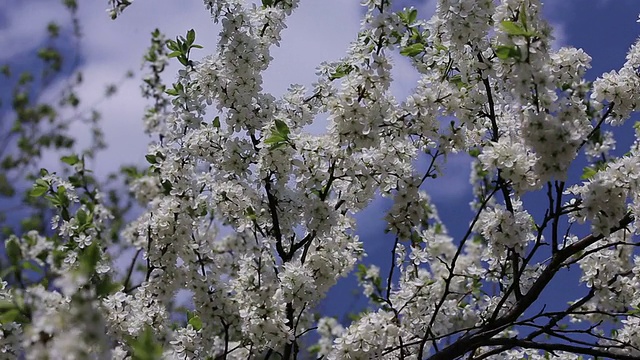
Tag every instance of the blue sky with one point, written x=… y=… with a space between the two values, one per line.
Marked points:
x=604 y=28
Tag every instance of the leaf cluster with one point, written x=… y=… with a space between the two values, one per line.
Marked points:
x=181 y=47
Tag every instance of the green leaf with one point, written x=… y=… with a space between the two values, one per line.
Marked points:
x=376 y=298
x=42 y=182
x=278 y=145
x=522 y=15
x=634 y=312
x=8 y=270
x=172 y=45
x=53 y=200
x=342 y=70
x=106 y=287
x=274 y=139
x=513 y=28
x=282 y=128
x=62 y=199
x=151 y=159
x=89 y=258
x=38 y=190
x=131 y=172
x=416 y=239
x=413 y=15
x=145 y=346
x=250 y=213
x=279 y=136
x=415 y=34
x=508 y=52
x=6 y=189
x=457 y=80
x=75 y=181
x=361 y=270
x=588 y=172
x=412 y=50
x=216 y=122
x=28 y=265
x=14 y=253
x=191 y=36
x=316 y=192
x=441 y=47
x=196 y=322
x=174 y=54
x=167 y=186
x=9 y=316
x=6 y=304
x=71 y=159
x=82 y=217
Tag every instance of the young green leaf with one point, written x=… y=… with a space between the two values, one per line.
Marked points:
x=588 y=172
x=342 y=70
x=196 y=322
x=38 y=190
x=166 y=186
x=513 y=28
x=413 y=15
x=282 y=128
x=151 y=159
x=191 y=36
x=275 y=139
x=412 y=50
x=28 y=265
x=145 y=346
x=71 y=159
x=82 y=217
x=9 y=316
x=12 y=248
x=172 y=45
x=508 y=52
x=89 y=258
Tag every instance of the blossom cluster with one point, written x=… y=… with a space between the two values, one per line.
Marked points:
x=253 y=217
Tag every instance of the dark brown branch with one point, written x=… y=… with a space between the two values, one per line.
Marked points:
x=550 y=347
x=473 y=341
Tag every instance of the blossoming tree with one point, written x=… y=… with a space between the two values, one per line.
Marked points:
x=230 y=156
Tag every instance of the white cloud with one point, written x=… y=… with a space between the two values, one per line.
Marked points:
x=553 y=13
x=559 y=35
x=111 y=48
x=311 y=37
